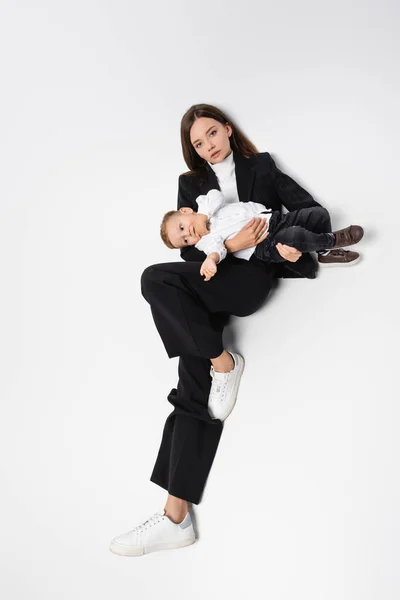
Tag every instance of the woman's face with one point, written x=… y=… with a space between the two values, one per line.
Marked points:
x=210 y=139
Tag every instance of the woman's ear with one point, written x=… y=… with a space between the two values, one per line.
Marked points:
x=229 y=129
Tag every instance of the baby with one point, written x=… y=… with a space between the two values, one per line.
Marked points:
x=307 y=230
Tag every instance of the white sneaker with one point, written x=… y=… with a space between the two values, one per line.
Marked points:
x=157 y=533
x=224 y=389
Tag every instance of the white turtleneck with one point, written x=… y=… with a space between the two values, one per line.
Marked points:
x=225 y=172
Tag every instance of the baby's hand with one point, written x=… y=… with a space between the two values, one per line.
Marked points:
x=208 y=268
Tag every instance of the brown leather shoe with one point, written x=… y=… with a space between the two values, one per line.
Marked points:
x=338 y=258
x=348 y=236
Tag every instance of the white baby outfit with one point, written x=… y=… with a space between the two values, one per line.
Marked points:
x=226 y=220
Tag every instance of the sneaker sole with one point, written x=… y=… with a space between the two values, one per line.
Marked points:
x=235 y=389
x=127 y=551
x=339 y=264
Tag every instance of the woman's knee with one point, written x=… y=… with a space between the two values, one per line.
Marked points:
x=160 y=273
x=149 y=276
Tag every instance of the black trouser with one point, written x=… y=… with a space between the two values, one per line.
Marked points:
x=306 y=229
x=190 y=314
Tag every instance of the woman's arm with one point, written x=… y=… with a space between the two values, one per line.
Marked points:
x=255 y=232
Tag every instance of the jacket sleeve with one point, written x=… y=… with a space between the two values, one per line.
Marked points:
x=185 y=198
x=291 y=194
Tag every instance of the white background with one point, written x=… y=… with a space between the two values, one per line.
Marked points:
x=303 y=498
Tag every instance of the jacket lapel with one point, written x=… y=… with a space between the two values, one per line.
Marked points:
x=245 y=174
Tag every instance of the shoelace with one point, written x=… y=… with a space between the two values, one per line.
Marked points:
x=153 y=520
x=218 y=385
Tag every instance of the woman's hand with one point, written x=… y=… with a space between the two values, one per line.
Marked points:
x=254 y=232
x=288 y=253
x=208 y=268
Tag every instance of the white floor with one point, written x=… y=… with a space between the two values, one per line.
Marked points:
x=303 y=498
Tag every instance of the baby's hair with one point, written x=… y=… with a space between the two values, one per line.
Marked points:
x=163 y=228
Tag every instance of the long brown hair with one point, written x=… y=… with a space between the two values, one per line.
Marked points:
x=238 y=141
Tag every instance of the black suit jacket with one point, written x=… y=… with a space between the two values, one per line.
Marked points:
x=258 y=179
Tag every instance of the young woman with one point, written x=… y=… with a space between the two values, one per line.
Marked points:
x=190 y=313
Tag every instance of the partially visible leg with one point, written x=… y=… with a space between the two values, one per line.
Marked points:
x=315 y=219
x=223 y=363
x=183 y=322
x=176 y=509
x=304 y=240
x=310 y=230
x=185 y=309
x=307 y=230
x=190 y=437
x=328 y=256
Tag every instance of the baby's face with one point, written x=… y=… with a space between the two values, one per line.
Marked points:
x=186 y=228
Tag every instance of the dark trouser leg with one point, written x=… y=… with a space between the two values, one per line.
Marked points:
x=306 y=230
x=190 y=437
x=187 y=312
x=184 y=305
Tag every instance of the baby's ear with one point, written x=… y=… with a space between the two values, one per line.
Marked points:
x=186 y=209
